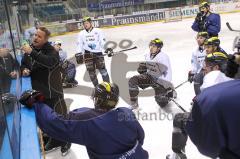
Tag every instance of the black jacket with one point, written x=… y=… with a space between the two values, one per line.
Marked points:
x=45 y=71
x=7 y=65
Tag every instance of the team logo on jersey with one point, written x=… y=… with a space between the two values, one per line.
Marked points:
x=92 y=46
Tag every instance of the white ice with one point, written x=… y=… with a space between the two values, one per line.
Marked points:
x=179 y=42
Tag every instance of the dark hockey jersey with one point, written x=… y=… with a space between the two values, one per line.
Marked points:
x=112 y=135
x=214 y=123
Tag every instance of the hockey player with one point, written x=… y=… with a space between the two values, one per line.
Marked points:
x=214 y=123
x=233 y=69
x=156 y=73
x=8 y=64
x=90 y=50
x=213 y=45
x=68 y=68
x=29 y=33
x=106 y=131
x=196 y=74
x=207 y=21
x=213 y=67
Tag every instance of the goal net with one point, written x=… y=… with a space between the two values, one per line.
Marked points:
x=173 y=15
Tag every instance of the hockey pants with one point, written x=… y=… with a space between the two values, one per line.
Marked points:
x=144 y=81
x=95 y=61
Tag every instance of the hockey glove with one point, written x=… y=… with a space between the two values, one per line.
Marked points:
x=232 y=67
x=65 y=64
x=190 y=76
x=199 y=17
x=79 y=58
x=29 y=97
x=109 y=52
x=142 y=68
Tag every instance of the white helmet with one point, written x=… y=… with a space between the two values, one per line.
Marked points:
x=58 y=42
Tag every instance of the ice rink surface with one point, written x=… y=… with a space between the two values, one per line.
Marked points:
x=179 y=42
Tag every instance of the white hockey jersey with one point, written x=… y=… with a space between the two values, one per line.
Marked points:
x=92 y=41
x=197 y=61
x=29 y=33
x=5 y=39
x=159 y=67
x=213 y=78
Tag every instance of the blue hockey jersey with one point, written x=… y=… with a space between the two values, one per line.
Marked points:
x=212 y=24
x=112 y=135
x=214 y=123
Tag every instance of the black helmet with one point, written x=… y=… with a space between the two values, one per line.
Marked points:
x=105 y=95
x=212 y=41
x=203 y=34
x=157 y=42
x=86 y=19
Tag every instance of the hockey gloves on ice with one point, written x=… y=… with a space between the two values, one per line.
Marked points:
x=109 y=52
x=79 y=58
x=190 y=76
x=29 y=97
x=142 y=68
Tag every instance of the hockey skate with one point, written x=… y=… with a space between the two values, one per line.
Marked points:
x=65 y=149
x=176 y=156
x=52 y=145
x=134 y=104
x=70 y=84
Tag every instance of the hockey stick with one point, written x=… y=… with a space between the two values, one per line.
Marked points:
x=230 y=28
x=42 y=143
x=132 y=48
x=179 y=106
x=81 y=55
x=181 y=84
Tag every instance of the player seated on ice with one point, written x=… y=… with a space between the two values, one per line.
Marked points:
x=213 y=69
x=106 y=131
x=68 y=68
x=196 y=74
x=207 y=21
x=156 y=73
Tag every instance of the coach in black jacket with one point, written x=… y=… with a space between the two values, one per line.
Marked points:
x=41 y=62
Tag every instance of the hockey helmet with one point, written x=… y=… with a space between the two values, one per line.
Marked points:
x=85 y=19
x=204 y=5
x=216 y=58
x=36 y=23
x=236 y=43
x=105 y=95
x=203 y=34
x=58 y=42
x=156 y=42
x=212 y=41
